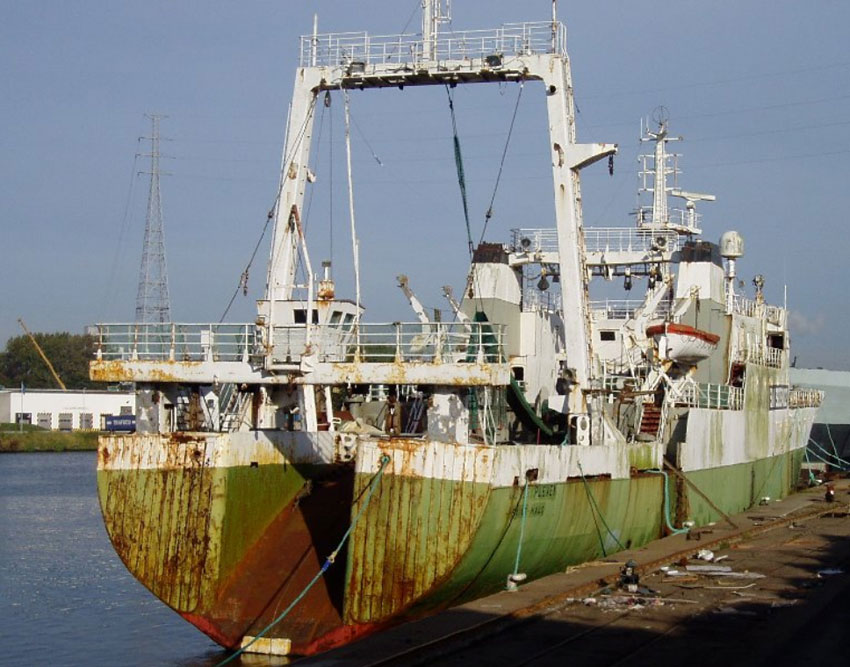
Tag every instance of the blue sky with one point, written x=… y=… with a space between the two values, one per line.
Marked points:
x=760 y=89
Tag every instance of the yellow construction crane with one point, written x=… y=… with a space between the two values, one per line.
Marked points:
x=43 y=355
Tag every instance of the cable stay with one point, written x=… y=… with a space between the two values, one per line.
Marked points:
x=243 y=277
x=366 y=141
x=461 y=179
x=489 y=213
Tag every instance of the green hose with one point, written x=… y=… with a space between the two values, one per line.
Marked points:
x=673 y=531
x=521 y=527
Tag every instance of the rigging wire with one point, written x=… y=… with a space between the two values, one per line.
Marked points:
x=243 y=278
x=315 y=168
x=489 y=213
x=110 y=285
x=366 y=141
x=416 y=5
x=330 y=178
x=461 y=180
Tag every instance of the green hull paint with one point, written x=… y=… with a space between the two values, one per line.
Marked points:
x=154 y=518
x=562 y=528
x=736 y=488
x=229 y=547
x=255 y=497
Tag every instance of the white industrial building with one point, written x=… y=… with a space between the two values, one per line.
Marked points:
x=64 y=410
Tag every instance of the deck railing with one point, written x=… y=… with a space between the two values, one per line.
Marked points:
x=629 y=239
x=534 y=300
x=534 y=240
x=624 y=309
x=805 y=398
x=714 y=396
x=675 y=216
x=511 y=39
x=437 y=342
x=449 y=342
x=772 y=357
x=598 y=239
x=170 y=341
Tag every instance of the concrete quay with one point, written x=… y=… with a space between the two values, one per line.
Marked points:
x=780 y=603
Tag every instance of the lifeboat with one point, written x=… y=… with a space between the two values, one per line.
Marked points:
x=681 y=343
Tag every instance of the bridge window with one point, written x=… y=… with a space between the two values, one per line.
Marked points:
x=776 y=341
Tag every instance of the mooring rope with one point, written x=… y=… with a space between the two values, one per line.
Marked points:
x=328 y=562
x=812 y=478
x=593 y=504
x=461 y=178
x=841 y=465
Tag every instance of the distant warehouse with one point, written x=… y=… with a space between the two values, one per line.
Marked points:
x=57 y=410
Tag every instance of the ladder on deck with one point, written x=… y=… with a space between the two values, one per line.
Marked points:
x=414 y=417
x=650 y=421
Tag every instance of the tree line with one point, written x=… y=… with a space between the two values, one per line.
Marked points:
x=20 y=362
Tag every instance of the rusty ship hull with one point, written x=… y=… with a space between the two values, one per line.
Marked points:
x=228 y=544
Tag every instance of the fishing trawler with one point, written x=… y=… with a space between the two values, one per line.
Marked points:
x=311 y=477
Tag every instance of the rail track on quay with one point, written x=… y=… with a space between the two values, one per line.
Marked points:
x=797 y=552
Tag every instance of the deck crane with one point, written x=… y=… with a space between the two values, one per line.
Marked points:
x=461 y=316
x=43 y=355
x=417 y=306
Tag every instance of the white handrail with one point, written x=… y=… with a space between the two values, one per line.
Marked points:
x=511 y=39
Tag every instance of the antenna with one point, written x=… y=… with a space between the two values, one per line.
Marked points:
x=152 y=300
x=691 y=199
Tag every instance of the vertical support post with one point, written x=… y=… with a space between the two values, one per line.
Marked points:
x=480 y=358
x=428 y=27
x=355 y=243
x=554 y=26
x=568 y=158
x=329 y=408
x=293 y=182
x=314 y=44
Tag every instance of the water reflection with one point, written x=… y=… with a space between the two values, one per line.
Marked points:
x=65 y=597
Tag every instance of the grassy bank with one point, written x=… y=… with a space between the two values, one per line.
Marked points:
x=34 y=439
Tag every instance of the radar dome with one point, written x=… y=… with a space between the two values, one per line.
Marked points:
x=731 y=245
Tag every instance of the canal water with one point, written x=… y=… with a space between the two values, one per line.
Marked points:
x=65 y=597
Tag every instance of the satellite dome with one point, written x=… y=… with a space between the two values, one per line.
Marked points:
x=731 y=245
